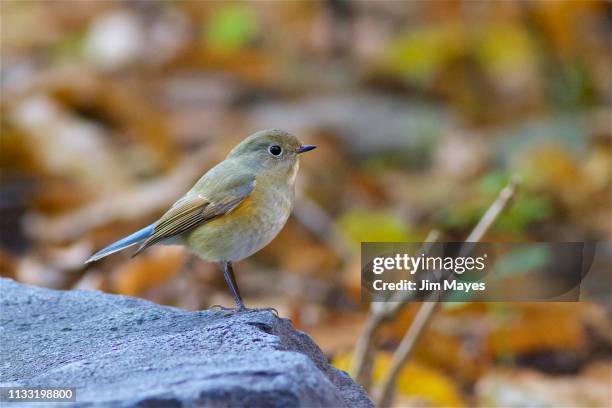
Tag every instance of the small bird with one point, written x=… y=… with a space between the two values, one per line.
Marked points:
x=233 y=210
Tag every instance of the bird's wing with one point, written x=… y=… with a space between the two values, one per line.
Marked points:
x=196 y=209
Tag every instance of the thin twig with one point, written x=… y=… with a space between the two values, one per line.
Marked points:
x=363 y=356
x=404 y=351
x=427 y=309
x=401 y=298
x=494 y=211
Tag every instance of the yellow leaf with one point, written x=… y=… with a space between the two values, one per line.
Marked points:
x=415 y=380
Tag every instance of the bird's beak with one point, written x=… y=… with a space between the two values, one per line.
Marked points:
x=305 y=148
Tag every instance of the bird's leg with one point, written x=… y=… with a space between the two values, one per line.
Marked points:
x=230 y=279
x=228 y=274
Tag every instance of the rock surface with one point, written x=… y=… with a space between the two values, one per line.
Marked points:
x=122 y=351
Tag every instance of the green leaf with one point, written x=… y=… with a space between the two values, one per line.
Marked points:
x=231 y=28
x=526 y=210
x=522 y=260
x=493 y=182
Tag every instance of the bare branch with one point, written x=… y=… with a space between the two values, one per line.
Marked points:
x=492 y=213
x=363 y=356
x=404 y=351
x=427 y=309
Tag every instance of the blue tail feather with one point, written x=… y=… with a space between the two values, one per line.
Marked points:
x=123 y=243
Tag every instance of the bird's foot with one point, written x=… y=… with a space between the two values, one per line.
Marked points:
x=242 y=308
x=228 y=311
x=264 y=309
x=222 y=308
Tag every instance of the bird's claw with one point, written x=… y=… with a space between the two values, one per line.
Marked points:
x=221 y=307
x=265 y=309
x=242 y=308
x=225 y=310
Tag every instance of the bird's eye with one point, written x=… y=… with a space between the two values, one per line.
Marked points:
x=275 y=150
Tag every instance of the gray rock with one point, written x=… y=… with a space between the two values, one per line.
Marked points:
x=127 y=352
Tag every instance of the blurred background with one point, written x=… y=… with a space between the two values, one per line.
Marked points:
x=110 y=110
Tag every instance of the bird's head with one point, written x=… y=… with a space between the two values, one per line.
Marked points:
x=273 y=151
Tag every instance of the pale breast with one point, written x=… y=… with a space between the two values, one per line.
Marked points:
x=247 y=229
